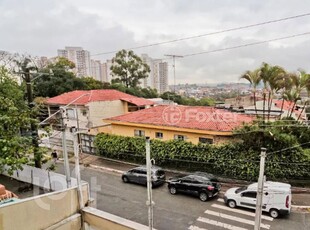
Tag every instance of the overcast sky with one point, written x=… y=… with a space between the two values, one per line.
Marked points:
x=40 y=27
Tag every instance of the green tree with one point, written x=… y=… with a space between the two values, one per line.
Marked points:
x=301 y=81
x=254 y=78
x=128 y=68
x=14 y=118
x=61 y=81
x=269 y=76
x=91 y=83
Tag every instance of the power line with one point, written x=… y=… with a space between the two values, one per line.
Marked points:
x=247 y=44
x=207 y=34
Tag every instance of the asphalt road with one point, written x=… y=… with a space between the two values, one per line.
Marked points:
x=176 y=211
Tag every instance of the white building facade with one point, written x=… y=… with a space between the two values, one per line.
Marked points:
x=80 y=57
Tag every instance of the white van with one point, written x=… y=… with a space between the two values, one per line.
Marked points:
x=276 y=197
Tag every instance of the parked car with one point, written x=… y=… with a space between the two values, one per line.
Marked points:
x=276 y=197
x=200 y=184
x=138 y=175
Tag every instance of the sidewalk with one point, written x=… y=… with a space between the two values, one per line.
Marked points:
x=300 y=196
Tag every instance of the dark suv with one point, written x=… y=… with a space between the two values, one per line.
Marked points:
x=201 y=184
x=138 y=175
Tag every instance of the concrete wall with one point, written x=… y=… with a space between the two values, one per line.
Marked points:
x=43 y=211
x=99 y=220
x=104 y=109
x=42 y=178
x=167 y=134
x=58 y=210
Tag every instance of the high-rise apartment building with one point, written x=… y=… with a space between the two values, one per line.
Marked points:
x=163 y=77
x=158 y=76
x=96 y=70
x=80 y=57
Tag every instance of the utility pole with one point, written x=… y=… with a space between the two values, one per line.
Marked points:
x=149 y=202
x=77 y=168
x=62 y=111
x=173 y=57
x=64 y=148
x=260 y=190
x=34 y=130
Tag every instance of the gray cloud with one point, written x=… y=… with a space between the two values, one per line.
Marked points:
x=42 y=27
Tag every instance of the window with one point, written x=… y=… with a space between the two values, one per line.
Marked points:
x=139 y=133
x=84 y=112
x=87 y=142
x=249 y=194
x=159 y=135
x=205 y=140
x=71 y=113
x=179 y=137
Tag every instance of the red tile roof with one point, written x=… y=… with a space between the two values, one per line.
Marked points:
x=192 y=117
x=287 y=106
x=86 y=96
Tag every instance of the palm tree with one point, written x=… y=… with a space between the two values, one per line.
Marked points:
x=270 y=76
x=301 y=82
x=254 y=78
x=284 y=84
x=292 y=96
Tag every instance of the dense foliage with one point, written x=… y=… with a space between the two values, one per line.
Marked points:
x=58 y=78
x=181 y=100
x=232 y=160
x=14 y=118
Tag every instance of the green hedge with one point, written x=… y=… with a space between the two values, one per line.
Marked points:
x=230 y=160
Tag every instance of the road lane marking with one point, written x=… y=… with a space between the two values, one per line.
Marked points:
x=193 y=227
x=220 y=200
x=240 y=211
x=219 y=224
x=234 y=218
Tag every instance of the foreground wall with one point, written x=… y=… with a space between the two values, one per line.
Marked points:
x=57 y=210
x=99 y=220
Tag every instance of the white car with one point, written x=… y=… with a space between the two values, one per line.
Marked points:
x=276 y=198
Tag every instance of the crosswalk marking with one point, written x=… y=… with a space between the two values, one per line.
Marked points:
x=193 y=227
x=240 y=211
x=234 y=218
x=220 y=200
x=219 y=224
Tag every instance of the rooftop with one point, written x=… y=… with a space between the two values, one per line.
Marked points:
x=191 y=117
x=96 y=95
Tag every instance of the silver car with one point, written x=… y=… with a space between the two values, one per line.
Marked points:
x=138 y=175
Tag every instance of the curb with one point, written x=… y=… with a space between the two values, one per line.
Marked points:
x=302 y=209
x=106 y=169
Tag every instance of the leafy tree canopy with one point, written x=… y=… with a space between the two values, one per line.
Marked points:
x=91 y=83
x=128 y=68
x=14 y=117
x=59 y=78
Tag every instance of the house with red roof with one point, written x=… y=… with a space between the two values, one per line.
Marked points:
x=86 y=109
x=197 y=124
x=278 y=109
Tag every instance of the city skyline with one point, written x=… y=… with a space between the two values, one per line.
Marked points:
x=85 y=66
x=95 y=27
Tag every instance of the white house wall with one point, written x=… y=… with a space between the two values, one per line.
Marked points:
x=104 y=109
